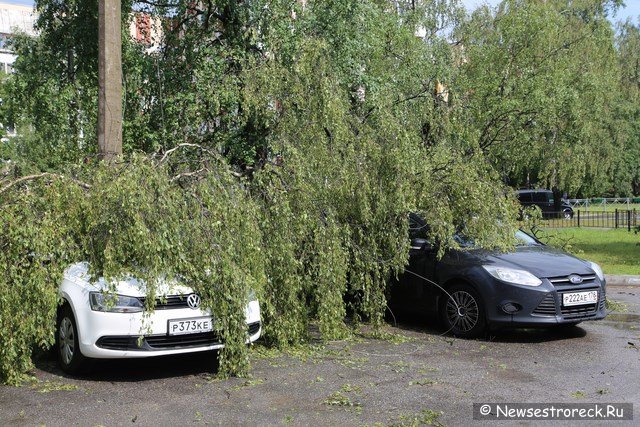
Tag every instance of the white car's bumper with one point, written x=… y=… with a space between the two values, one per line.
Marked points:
x=107 y=335
x=115 y=335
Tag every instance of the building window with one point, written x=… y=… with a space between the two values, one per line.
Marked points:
x=4 y=38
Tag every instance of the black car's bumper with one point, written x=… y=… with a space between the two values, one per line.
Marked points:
x=541 y=305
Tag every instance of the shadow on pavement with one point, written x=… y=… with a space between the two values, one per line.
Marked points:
x=131 y=370
x=430 y=326
x=537 y=335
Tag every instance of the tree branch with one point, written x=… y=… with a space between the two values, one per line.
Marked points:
x=189 y=174
x=190 y=145
x=212 y=153
x=421 y=94
x=42 y=175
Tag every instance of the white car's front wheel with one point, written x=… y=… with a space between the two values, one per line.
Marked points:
x=69 y=356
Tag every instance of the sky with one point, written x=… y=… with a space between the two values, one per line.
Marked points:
x=631 y=10
x=22 y=2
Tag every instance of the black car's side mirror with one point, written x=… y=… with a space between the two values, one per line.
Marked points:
x=420 y=244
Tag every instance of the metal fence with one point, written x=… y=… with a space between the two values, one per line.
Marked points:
x=602 y=202
x=619 y=218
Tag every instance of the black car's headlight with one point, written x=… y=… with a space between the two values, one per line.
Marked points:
x=596 y=269
x=114 y=303
x=512 y=275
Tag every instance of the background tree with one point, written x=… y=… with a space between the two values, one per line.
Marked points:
x=627 y=172
x=52 y=95
x=540 y=87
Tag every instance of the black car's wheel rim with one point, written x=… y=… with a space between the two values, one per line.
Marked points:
x=462 y=311
x=67 y=340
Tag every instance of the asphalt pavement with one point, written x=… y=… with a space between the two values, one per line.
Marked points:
x=412 y=376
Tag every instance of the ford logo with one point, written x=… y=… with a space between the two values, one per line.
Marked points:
x=575 y=279
x=193 y=301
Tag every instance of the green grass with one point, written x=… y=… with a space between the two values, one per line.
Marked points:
x=618 y=306
x=617 y=251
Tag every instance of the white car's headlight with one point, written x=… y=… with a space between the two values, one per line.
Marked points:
x=596 y=269
x=114 y=303
x=511 y=275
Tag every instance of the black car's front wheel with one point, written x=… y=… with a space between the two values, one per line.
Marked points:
x=462 y=312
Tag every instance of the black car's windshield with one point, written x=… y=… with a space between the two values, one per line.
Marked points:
x=522 y=239
x=525 y=240
x=464 y=241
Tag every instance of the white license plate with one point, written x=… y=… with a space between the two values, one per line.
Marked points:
x=193 y=325
x=579 y=298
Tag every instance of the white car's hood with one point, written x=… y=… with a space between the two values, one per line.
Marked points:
x=79 y=273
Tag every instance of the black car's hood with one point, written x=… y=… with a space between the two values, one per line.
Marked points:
x=542 y=261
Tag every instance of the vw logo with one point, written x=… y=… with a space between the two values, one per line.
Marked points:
x=193 y=301
x=575 y=279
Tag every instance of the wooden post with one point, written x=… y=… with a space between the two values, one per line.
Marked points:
x=109 y=80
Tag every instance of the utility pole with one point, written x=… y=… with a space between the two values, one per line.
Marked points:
x=109 y=79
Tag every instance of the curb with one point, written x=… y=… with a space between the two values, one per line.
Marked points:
x=622 y=280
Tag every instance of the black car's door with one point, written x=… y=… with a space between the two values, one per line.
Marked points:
x=414 y=292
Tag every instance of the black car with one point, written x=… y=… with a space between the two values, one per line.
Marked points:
x=545 y=201
x=473 y=290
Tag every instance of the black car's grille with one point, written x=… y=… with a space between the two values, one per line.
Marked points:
x=166 y=342
x=547 y=306
x=169 y=302
x=565 y=280
x=579 y=311
x=586 y=310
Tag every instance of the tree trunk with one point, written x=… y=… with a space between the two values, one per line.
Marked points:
x=109 y=80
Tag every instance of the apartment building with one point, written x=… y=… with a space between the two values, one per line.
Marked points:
x=13 y=19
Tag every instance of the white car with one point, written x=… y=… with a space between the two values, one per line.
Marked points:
x=92 y=324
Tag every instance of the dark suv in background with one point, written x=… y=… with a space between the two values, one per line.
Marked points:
x=545 y=201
